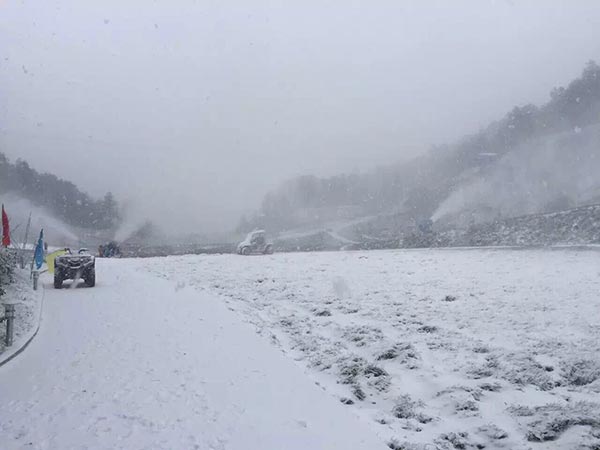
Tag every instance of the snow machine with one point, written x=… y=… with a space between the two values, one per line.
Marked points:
x=425 y=226
x=71 y=266
x=255 y=243
x=110 y=250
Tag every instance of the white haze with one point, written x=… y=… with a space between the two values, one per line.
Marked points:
x=189 y=111
x=531 y=176
x=56 y=233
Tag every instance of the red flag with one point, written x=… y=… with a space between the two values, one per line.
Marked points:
x=5 y=229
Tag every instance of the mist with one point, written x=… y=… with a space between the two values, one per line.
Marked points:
x=191 y=114
x=527 y=180
x=56 y=232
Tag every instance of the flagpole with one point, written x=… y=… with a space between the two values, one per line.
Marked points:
x=27 y=231
x=24 y=247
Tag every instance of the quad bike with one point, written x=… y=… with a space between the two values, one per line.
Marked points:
x=71 y=266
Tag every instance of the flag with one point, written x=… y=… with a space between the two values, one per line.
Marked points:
x=5 y=229
x=38 y=256
x=50 y=259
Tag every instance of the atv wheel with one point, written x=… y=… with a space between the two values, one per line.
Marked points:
x=269 y=250
x=245 y=251
x=58 y=281
x=90 y=279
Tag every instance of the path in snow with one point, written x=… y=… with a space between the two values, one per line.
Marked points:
x=138 y=362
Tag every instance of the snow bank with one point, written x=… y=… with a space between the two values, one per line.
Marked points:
x=28 y=308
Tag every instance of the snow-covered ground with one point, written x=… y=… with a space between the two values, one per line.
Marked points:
x=416 y=349
x=142 y=363
x=434 y=348
x=27 y=311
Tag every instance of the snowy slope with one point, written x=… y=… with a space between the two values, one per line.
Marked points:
x=573 y=226
x=143 y=363
x=434 y=348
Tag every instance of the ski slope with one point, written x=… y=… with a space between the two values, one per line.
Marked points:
x=143 y=363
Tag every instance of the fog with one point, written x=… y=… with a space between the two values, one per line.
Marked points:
x=189 y=113
x=525 y=182
x=54 y=230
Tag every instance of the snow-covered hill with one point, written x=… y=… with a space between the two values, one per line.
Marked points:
x=535 y=159
x=576 y=226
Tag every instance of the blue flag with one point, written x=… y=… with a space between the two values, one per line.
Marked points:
x=38 y=256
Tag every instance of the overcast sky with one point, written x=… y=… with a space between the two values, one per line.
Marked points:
x=190 y=110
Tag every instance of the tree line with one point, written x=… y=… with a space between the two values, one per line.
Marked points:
x=59 y=197
x=416 y=188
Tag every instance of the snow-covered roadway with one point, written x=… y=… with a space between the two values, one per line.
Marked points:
x=143 y=363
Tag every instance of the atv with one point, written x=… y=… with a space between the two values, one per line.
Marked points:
x=255 y=243
x=73 y=267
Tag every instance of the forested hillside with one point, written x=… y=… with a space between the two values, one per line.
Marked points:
x=502 y=152
x=59 y=197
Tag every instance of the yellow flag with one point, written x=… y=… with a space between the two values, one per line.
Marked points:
x=50 y=258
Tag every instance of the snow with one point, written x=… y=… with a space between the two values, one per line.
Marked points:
x=28 y=305
x=21 y=208
x=143 y=363
x=431 y=347
x=413 y=349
